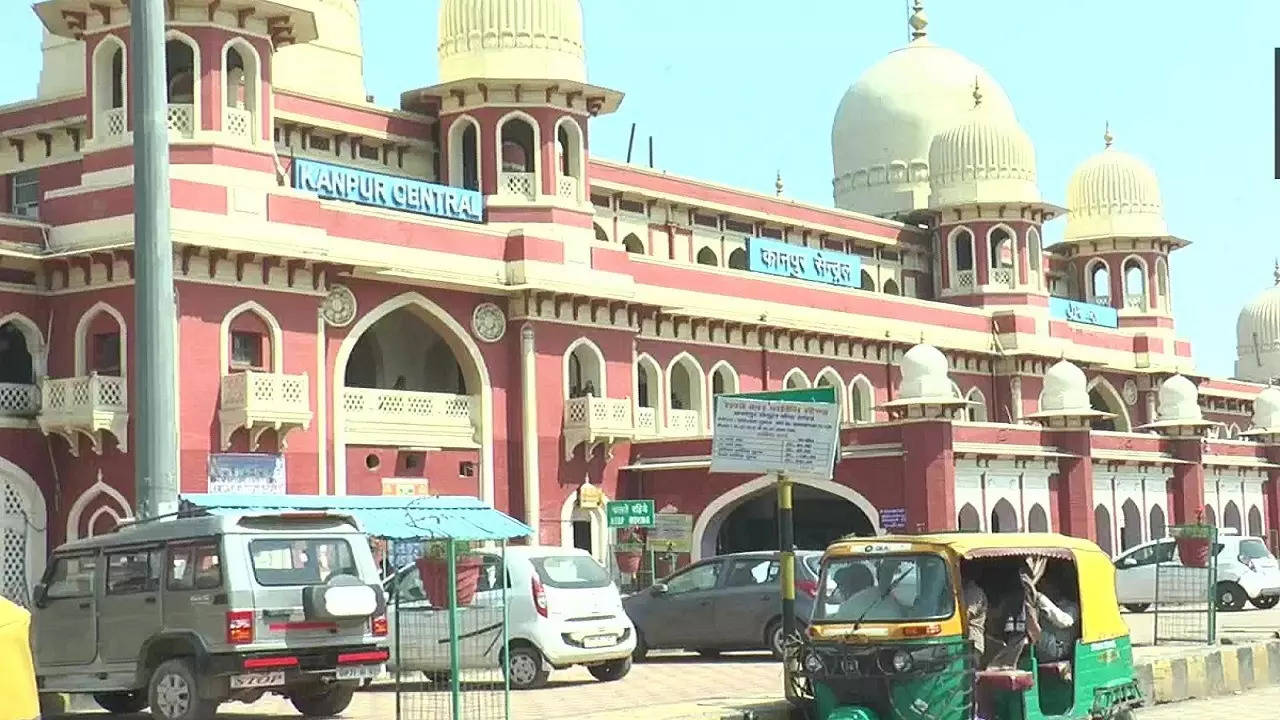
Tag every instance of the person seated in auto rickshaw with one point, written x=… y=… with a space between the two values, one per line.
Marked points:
x=1042 y=607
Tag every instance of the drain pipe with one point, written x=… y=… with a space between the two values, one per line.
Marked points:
x=529 y=432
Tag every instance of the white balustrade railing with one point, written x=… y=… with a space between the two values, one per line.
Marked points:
x=111 y=123
x=19 y=400
x=263 y=394
x=407 y=410
x=84 y=395
x=599 y=416
x=964 y=279
x=1103 y=300
x=182 y=120
x=1002 y=277
x=1135 y=301
x=683 y=423
x=237 y=122
x=521 y=185
x=647 y=421
x=567 y=187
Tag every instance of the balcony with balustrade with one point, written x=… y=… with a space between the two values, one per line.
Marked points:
x=647 y=422
x=683 y=423
x=594 y=420
x=181 y=120
x=518 y=185
x=238 y=123
x=19 y=400
x=112 y=123
x=378 y=417
x=90 y=406
x=261 y=401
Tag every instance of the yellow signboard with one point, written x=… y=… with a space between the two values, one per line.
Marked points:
x=590 y=496
x=405 y=487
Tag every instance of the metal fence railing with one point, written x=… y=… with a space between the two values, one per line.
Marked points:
x=1185 y=607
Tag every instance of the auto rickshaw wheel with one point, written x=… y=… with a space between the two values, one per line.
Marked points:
x=1230 y=596
x=1265 y=602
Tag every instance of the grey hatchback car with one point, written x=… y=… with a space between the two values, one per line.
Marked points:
x=184 y=613
x=729 y=602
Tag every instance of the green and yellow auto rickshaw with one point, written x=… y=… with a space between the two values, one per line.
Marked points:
x=964 y=626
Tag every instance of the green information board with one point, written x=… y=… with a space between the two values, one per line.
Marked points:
x=629 y=513
x=804 y=395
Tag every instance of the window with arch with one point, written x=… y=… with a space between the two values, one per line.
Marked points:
x=249 y=343
x=103 y=345
x=738 y=259
x=1037 y=519
x=1162 y=283
x=109 y=88
x=1035 y=256
x=1102 y=527
x=861 y=400
x=241 y=89
x=648 y=382
x=1135 y=284
x=685 y=395
x=464 y=154
x=707 y=256
x=1003 y=256
x=633 y=244
x=601 y=235
x=796 y=380
x=1255 y=521
x=1004 y=518
x=968 y=520
x=518 y=148
x=180 y=71
x=569 y=150
x=868 y=283
x=1131 y=525
x=977 y=411
x=1156 y=522
x=584 y=371
x=962 y=249
x=1098 y=280
x=1210 y=516
x=1103 y=396
x=18 y=348
x=891 y=287
x=1231 y=516
x=723 y=380
x=829 y=378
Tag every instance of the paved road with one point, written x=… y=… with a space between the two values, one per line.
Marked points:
x=1255 y=705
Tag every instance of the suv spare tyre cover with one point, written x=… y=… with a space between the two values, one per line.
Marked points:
x=343 y=597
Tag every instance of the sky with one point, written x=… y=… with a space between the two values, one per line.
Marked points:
x=733 y=91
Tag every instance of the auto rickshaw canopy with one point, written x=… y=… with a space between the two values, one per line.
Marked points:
x=1096 y=575
x=18 y=681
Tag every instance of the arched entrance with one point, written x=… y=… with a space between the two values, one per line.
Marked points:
x=585 y=528
x=23 y=521
x=745 y=518
x=968 y=519
x=408 y=374
x=1131 y=529
x=1255 y=521
x=1037 y=520
x=1157 y=522
x=1003 y=517
x=1102 y=526
x=1231 y=516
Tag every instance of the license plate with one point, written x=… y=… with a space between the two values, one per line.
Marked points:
x=257 y=680
x=595 y=641
x=359 y=672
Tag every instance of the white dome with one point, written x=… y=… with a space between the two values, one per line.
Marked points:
x=1179 y=402
x=331 y=66
x=1113 y=194
x=1266 y=410
x=1065 y=390
x=987 y=157
x=1258 y=336
x=511 y=39
x=924 y=374
x=887 y=120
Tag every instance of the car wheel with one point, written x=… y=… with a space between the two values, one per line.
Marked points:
x=121 y=703
x=642 y=648
x=323 y=700
x=1230 y=596
x=524 y=668
x=1137 y=607
x=173 y=693
x=775 y=639
x=1266 y=602
x=612 y=670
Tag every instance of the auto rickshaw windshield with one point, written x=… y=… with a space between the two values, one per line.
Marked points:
x=885 y=588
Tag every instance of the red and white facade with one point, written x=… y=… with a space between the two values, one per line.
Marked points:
x=576 y=336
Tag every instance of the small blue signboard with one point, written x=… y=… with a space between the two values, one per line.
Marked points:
x=893 y=518
x=773 y=257
x=335 y=182
x=1083 y=312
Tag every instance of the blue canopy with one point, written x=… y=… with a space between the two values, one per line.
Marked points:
x=390 y=517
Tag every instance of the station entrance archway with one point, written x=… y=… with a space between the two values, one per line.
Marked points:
x=745 y=518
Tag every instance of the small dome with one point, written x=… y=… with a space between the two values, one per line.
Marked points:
x=1266 y=410
x=1065 y=390
x=887 y=120
x=987 y=157
x=1179 y=402
x=511 y=39
x=924 y=374
x=1113 y=194
x=1258 y=327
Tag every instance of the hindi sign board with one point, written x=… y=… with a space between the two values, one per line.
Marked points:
x=629 y=513
x=246 y=474
x=774 y=257
x=893 y=518
x=671 y=532
x=761 y=434
x=1083 y=312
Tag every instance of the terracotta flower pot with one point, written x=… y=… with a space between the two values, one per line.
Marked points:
x=434 y=573
x=628 y=560
x=1193 y=551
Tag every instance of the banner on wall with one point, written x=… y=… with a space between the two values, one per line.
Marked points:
x=246 y=474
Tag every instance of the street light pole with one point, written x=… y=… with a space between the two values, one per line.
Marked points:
x=156 y=440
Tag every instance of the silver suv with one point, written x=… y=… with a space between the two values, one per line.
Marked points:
x=185 y=613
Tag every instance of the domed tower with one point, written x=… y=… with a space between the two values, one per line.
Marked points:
x=1116 y=239
x=514 y=105
x=331 y=66
x=1258 y=336
x=987 y=209
x=887 y=121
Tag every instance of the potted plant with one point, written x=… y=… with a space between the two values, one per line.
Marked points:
x=628 y=551
x=433 y=569
x=1193 y=543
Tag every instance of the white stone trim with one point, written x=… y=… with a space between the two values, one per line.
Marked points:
x=93 y=519
x=99 y=488
x=733 y=376
x=273 y=330
x=37 y=520
x=82 y=327
x=35 y=341
x=786 y=379
x=536 y=149
x=1104 y=386
x=601 y=386
x=696 y=375
x=600 y=535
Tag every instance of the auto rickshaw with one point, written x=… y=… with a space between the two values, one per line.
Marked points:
x=964 y=626
x=18 y=681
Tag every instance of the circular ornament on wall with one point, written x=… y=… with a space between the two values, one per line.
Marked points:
x=1130 y=392
x=488 y=322
x=339 y=306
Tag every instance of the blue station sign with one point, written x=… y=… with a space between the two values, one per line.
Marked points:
x=1083 y=312
x=773 y=257
x=335 y=182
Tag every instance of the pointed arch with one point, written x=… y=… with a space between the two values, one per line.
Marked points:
x=273 y=328
x=977 y=412
x=1037 y=519
x=1156 y=527
x=1035 y=258
x=1004 y=517
x=600 y=534
x=961 y=255
x=738 y=259
x=34 y=339
x=250 y=72
x=968 y=520
x=686 y=388
x=464 y=347
x=570 y=158
x=1255 y=521
x=724 y=377
x=828 y=377
x=529 y=154
x=1131 y=525
x=707 y=256
x=601 y=235
x=82 y=329
x=185 y=85
x=465 y=168
x=1231 y=516
x=648 y=382
x=36 y=521
x=862 y=396
x=795 y=379
x=1134 y=281
x=99 y=490
x=1101 y=389
x=1097 y=282
x=1102 y=526
x=955 y=391
x=583 y=363
x=110 y=63
x=1162 y=284
x=633 y=244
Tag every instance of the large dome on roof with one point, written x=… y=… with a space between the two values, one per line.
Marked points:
x=1113 y=194
x=1258 y=336
x=984 y=158
x=511 y=39
x=887 y=120
x=332 y=65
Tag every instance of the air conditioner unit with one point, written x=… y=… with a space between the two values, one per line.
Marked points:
x=29 y=210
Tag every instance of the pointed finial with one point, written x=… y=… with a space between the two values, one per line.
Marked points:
x=977 y=92
x=777 y=184
x=919 y=21
x=99 y=474
x=1107 y=137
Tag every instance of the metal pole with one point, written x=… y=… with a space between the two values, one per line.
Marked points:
x=506 y=636
x=156 y=444
x=455 y=659
x=786 y=544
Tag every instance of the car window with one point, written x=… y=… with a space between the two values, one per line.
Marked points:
x=698 y=577
x=570 y=571
x=133 y=571
x=194 y=567
x=751 y=573
x=408 y=585
x=1165 y=552
x=310 y=561
x=72 y=577
x=814 y=563
x=1252 y=549
x=1137 y=558
x=489 y=574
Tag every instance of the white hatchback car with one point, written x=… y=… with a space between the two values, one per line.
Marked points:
x=563 y=610
x=1246 y=571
